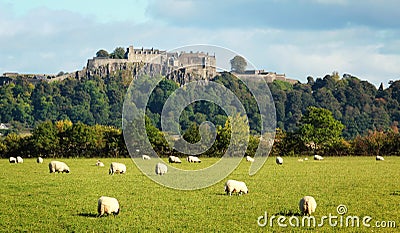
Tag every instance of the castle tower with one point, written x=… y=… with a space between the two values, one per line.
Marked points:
x=130 y=53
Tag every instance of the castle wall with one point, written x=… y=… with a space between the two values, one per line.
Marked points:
x=96 y=62
x=154 y=56
x=269 y=77
x=148 y=58
x=198 y=58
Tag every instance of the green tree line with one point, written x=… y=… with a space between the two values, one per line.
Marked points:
x=65 y=139
x=318 y=132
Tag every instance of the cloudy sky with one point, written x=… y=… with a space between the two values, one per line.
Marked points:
x=299 y=37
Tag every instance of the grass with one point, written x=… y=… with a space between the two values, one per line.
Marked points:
x=32 y=200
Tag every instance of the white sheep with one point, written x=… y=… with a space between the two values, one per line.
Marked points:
x=174 y=159
x=307 y=205
x=117 y=168
x=19 y=159
x=146 y=157
x=379 y=158
x=99 y=163
x=39 y=160
x=193 y=159
x=305 y=159
x=279 y=160
x=196 y=159
x=232 y=186
x=318 y=157
x=161 y=169
x=57 y=166
x=107 y=205
x=300 y=160
x=249 y=159
x=12 y=160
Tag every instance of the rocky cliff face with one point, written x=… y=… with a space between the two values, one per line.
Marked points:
x=134 y=69
x=179 y=75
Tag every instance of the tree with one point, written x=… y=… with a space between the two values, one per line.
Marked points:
x=192 y=134
x=82 y=139
x=156 y=138
x=119 y=53
x=3 y=149
x=372 y=143
x=310 y=80
x=102 y=53
x=318 y=128
x=45 y=139
x=12 y=144
x=233 y=133
x=238 y=64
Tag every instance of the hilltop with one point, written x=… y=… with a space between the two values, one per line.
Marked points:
x=181 y=67
x=95 y=94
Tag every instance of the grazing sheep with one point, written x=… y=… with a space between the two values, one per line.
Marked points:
x=232 y=186
x=39 y=160
x=146 y=157
x=196 y=160
x=379 y=158
x=318 y=157
x=300 y=160
x=279 y=160
x=174 y=159
x=57 y=166
x=307 y=205
x=12 y=160
x=161 y=169
x=249 y=159
x=305 y=159
x=99 y=163
x=193 y=159
x=117 y=168
x=107 y=205
x=20 y=160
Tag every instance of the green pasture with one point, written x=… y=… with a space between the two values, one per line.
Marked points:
x=33 y=200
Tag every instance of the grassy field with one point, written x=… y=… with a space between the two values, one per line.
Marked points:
x=33 y=200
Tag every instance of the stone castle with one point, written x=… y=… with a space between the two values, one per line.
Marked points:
x=182 y=67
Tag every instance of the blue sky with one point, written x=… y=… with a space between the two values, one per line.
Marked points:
x=299 y=38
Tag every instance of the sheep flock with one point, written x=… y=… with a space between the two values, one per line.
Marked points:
x=110 y=205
